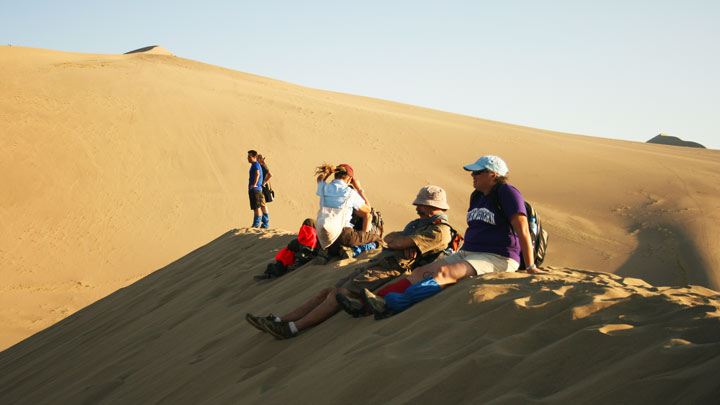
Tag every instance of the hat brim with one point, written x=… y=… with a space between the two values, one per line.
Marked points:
x=435 y=204
x=473 y=167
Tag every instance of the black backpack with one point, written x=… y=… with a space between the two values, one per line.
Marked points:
x=538 y=235
x=376 y=221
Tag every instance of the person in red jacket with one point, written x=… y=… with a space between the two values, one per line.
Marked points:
x=298 y=252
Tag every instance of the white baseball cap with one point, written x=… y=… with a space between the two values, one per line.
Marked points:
x=489 y=162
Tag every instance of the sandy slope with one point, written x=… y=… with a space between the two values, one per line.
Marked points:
x=114 y=165
x=178 y=336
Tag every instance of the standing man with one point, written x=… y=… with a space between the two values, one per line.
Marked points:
x=266 y=190
x=257 y=201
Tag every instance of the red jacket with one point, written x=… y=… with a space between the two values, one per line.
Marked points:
x=307 y=237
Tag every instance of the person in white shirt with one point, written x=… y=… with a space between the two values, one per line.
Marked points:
x=340 y=199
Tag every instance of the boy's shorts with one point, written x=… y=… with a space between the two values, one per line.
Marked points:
x=257 y=200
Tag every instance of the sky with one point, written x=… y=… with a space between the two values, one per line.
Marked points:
x=613 y=69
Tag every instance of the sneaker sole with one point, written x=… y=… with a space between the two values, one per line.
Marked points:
x=275 y=334
x=367 y=304
x=346 y=305
x=255 y=322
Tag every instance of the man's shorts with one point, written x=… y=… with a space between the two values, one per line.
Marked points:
x=372 y=278
x=257 y=200
x=484 y=263
x=350 y=237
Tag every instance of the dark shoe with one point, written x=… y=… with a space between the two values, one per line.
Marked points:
x=346 y=253
x=281 y=330
x=376 y=304
x=352 y=306
x=256 y=320
x=263 y=276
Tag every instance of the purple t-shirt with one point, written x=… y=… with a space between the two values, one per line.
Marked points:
x=489 y=230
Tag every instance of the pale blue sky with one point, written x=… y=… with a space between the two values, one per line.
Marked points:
x=613 y=69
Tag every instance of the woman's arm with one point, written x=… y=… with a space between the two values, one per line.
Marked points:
x=520 y=225
x=267 y=179
x=356 y=185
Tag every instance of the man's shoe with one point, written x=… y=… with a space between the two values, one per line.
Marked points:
x=256 y=320
x=281 y=330
x=263 y=276
x=376 y=304
x=352 y=306
x=346 y=253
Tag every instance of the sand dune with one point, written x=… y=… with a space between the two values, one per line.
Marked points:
x=113 y=166
x=178 y=336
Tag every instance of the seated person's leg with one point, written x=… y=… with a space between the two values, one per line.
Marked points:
x=366 y=220
x=396 y=287
x=309 y=305
x=350 y=237
x=421 y=273
x=327 y=308
x=446 y=274
x=451 y=273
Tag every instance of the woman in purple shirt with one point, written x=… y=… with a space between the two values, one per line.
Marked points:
x=495 y=239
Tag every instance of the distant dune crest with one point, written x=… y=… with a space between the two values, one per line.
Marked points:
x=665 y=139
x=153 y=50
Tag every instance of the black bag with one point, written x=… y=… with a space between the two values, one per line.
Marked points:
x=304 y=255
x=275 y=269
x=538 y=235
x=376 y=221
x=268 y=193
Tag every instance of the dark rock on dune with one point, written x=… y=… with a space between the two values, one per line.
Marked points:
x=674 y=141
x=152 y=49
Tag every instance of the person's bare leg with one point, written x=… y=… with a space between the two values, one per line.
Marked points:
x=429 y=270
x=367 y=220
x=309 y=305
x=442 y=273
x=451 y=273
x=322 y=312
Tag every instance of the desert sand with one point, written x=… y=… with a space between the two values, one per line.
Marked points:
x=114 y=166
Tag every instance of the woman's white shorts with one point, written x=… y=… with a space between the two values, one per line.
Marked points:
x=484 y=263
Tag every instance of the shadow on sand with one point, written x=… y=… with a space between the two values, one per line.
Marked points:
x=666 y=258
